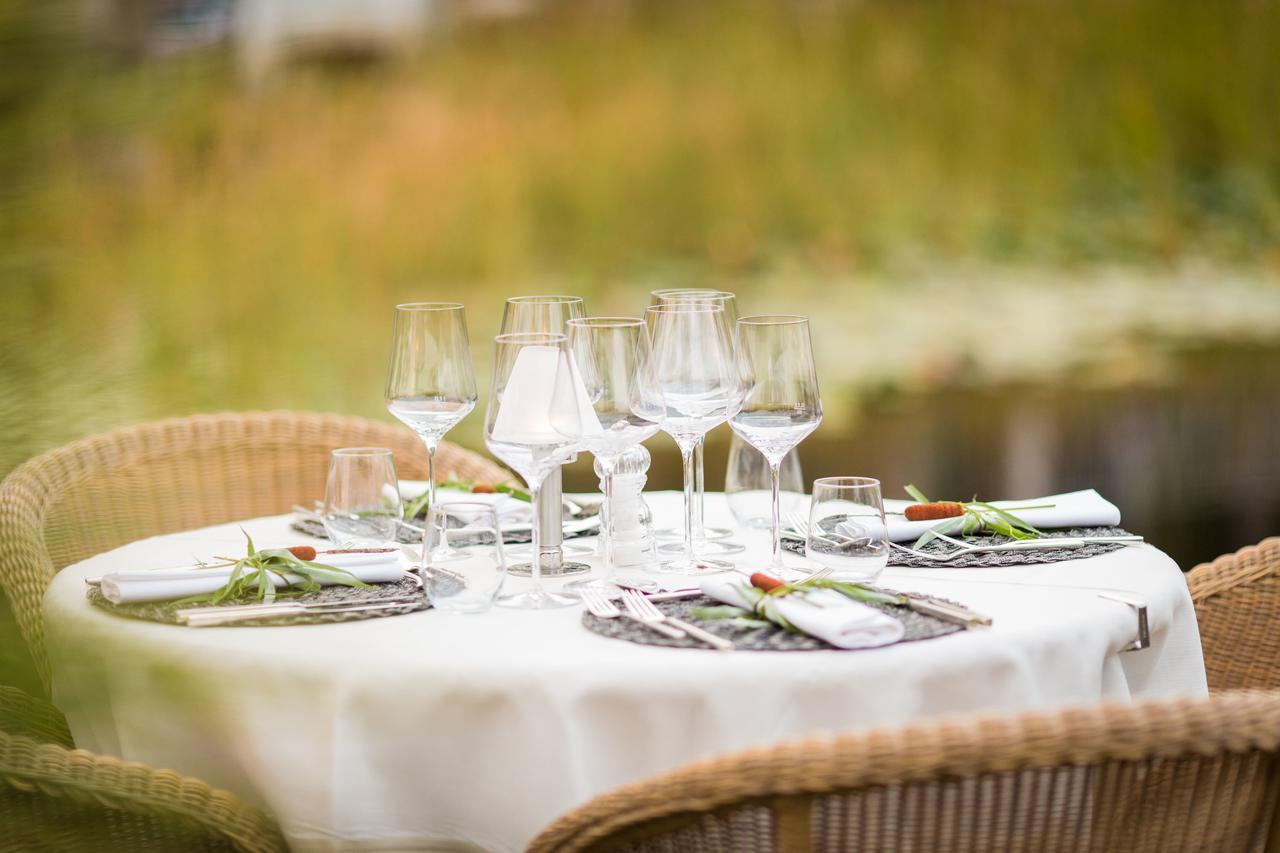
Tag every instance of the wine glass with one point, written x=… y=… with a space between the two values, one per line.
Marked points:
x=705 y=539
x=781 y=405
x=430 y=386
x=361 y=498
x=612 y=358
x=546 y=314
x=533 y=423
x=702 y=388
x=847 y=531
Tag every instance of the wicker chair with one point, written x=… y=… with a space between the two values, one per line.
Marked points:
x=1186 y=775
x=1237 y=600
x=103 y=491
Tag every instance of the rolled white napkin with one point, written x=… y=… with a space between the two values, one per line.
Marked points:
x=827 y=614
x=1085 y=508
x=166 y=584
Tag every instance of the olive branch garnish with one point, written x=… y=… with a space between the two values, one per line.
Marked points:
x=252 y=575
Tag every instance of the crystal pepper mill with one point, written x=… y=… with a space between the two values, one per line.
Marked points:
x=628 y=532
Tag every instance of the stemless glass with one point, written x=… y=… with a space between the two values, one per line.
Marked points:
x=430 y=385
x=748 y=486
x=613 y=360
x=705 y=539
x=702 y=388
x=781 y=405
x=362 y=498
x=533 y=423
x=470 y=583
x=847 y=531
x=546 y=314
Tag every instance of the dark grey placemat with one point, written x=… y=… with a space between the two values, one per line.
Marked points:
x=405 y=536
x=765 y=638
x=166 y=611
x=997 y=559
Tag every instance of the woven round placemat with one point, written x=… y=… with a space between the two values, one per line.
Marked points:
x=765 y=638
x=405 y=536
x=996 y=559
x=166 y=611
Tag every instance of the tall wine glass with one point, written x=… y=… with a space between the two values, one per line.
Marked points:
x=430 y=386
x=781 y=404
x=546 y=314
x=612 y=357
x=533 y=422
x=707 y=541
x=701 y=386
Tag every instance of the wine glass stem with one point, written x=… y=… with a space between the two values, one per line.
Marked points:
x=699 y=485
x=686 y=456
x=431 y=444
x=775 y=477
x=606 y=523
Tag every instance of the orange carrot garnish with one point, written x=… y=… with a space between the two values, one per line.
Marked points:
x=933 y=511
x=305 y=553
x=762 y=581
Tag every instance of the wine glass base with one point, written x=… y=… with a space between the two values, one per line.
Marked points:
x=703 y=549
x=537 y=599
x=672 y=534
x=524 y=570
x=523 y=549
x=614 y=587
x=694 y=566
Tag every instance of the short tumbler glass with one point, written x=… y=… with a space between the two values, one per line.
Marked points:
x=847 y=531
x=472 y=577
x=362 y=498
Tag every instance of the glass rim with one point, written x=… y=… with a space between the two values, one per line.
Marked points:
x=773 y=320
x=847 y=482
x=544 y=299
x=361 y=451
x=684 y=306
x=480 y=505
x=604 y=322
x=692 y=294
x=530 y=338
x=430 y=306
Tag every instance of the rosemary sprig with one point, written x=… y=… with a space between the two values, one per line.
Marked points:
x=251 y=576
x=978 y=515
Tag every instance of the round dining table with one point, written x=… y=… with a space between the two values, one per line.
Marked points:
x=436 y=730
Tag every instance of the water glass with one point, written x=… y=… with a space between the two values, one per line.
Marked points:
x=362 y=498
x=847 y=532
x=750 y=492
x=470 y=581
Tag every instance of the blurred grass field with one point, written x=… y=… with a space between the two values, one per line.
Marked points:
x=173 y=239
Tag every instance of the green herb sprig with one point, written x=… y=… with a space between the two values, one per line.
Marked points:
x=418 y=506
x=978 y=515
x=251 y=576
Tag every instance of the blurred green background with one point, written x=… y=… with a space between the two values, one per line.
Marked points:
x=1039 y=241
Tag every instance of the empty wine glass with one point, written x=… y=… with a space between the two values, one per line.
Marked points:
x=847 y=531
x=534 y=420
x=430 y=386
x=701 y=386
x=781 y=405
x=470 y=583
x=706 y=540
x=613 y=360
x=361 y=498
x=748 y=485
x=547 y=314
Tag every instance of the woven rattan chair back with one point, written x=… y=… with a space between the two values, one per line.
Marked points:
x=1237 y=600
x=1180 y=775
x=53 y=798
x=103 y=491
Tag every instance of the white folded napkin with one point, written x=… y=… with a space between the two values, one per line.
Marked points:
x=510 y=510
x=166 y=584
x=1085 y=508
x=827 y=614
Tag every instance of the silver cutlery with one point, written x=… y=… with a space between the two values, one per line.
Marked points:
x=600 y=606
x=644 y=610
x=230 y=615
x=1047 y=544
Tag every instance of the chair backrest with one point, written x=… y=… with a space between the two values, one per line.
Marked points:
x=103 y=491
x=1237 y=601
x=1185 y=775
x=53 y=798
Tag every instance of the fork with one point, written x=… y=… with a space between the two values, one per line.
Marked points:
x=644 y=610
x=600 y=606
x=1052 y=542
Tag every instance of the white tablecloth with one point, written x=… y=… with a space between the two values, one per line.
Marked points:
x=434 y=728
